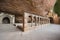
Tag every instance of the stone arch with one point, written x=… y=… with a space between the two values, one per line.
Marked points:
x=51 y=19
x=34 y=19
x=29 y=19
x=6 y=20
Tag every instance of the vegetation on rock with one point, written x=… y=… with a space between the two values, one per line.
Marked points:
x=57 y=7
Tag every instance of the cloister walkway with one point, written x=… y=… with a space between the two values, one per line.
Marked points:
x=44 y=32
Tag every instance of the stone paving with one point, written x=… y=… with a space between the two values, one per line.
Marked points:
x=44 y=32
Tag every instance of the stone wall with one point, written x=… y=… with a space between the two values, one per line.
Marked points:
x=11 y=18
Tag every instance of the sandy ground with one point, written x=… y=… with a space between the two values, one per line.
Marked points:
x=44 y=32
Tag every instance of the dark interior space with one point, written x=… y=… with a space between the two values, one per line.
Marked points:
x=6 y=20
x=51 y=20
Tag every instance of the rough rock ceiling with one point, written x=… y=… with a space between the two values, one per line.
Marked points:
x=39 y=7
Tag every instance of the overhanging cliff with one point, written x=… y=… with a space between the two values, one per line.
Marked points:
x=40 y=7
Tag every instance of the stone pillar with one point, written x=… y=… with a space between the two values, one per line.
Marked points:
x=36 y=21
x=39 y=20
x=13 y=19
x=32 y=21
x=25 y=24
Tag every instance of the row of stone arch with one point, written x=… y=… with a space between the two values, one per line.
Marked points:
x=32 y=20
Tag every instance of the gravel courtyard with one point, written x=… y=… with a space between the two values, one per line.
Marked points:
x=44 y=32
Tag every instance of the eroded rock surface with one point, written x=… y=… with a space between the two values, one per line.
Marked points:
x=33 y=6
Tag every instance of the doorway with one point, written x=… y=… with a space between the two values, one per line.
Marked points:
x=6 y=20
x=51 y=20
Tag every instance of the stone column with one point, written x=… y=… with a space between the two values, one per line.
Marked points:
x=32 y=21
x=36 y=21
x=25 y=23
x=13 y=19
x=25 y=17
x=39 y=20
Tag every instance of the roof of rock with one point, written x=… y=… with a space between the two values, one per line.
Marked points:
x=39 y=7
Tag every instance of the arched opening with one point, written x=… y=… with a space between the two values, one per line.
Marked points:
x=29 y=19
x=51 y=20
x=6 y=20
